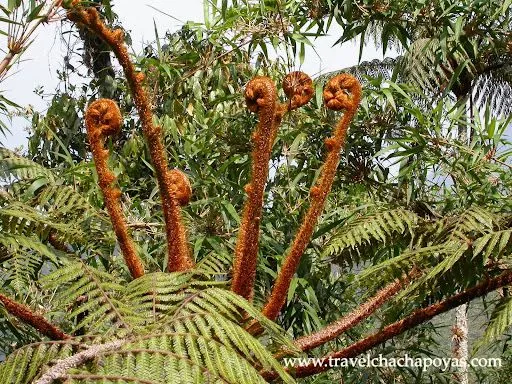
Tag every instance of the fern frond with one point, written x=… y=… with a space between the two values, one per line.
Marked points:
x=63 y=199
x=94 y=296
x=492 y=244
x=494 y=87
x=157 y=294
x=369 y=231
x=214 y=264
x=23 y=365
x=14 y=166
x=501 y=320
x=24 y=258
x=20 y=219
x=197 y=333
x=367 y=69
x=473 y=221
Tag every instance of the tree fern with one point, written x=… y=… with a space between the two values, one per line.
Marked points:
x=119 y=319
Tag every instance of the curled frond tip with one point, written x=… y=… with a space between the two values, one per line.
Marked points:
x=103 y=118
x=342 y=92
x=260 y=92
x=298 y=87
x=180 y=186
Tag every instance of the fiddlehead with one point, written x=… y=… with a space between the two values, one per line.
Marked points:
x=181 y=190
x=261 y=97
x=342 y=92
x=298 y=87
x=103 y=119
x=177 y=246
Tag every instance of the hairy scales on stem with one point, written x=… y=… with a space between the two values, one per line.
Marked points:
x=26 y=315
x=261 y=97
x=178 y=250
x=342 y=92
x=103 y=119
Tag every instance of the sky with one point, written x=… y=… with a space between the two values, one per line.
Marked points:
x=45 y=55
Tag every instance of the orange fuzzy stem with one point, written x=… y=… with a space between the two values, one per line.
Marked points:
x=335 y=97
x=261 y=97
x=102 y=119
x=26 y=315
x=177 y=246
x=349 y=321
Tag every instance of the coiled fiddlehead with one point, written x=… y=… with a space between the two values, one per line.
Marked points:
x=103 y=119
x=177 y=246
x=342 y=92
x=298 y=87
x=260 y=97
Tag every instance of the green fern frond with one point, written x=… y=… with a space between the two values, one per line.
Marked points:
x=501 y=320
x=473 y=221
x=395 y=266
x=18 y=167
x=182 y=330
x=442 y=247
x=494 y=87
x=24 y=258
x=492 y=244
x=215 y=264
x=94 y=297
x=367 y=69
x=20 y=219
x=370 y=231
x=157 y=294
x=64 y=199
x=24 y=365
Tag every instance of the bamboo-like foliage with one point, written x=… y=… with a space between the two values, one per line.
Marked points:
x=190 y=324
